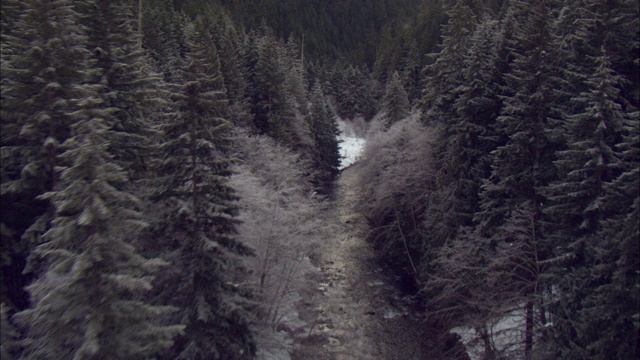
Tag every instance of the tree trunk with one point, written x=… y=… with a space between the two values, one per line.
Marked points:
x=528 y=336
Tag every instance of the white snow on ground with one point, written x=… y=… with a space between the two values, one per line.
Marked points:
x=351 y=145
x=505 y=334
x=350 y=150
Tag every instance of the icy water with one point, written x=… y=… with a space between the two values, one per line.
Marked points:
x=356 y=310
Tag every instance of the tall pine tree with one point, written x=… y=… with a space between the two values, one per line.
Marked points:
x=523 y=165
x=324 y=129
x=585 y=207
x=43 y=63
x=396 y=101
x=200 y=212
x=129 y=85
x=86 y=305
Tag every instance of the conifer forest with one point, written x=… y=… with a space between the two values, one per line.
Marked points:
x=336 y=179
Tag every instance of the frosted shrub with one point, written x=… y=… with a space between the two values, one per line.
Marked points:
x=397 y=174
x=280 y=219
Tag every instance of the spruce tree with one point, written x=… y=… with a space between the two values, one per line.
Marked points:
x=523 y=165
x=273 y=108
x=443 y=74
x=463 y=158
x=162 y=36
x=129 y=86
x=43 y=63
x=396 y=101
x=295 y=83
x=200 y=213
x=86 y=304
x=9 y=335
x=235 y=74
x=355 y=91
x=411 y=72
x=324 y=129
x=585 y=207
x=472 y=132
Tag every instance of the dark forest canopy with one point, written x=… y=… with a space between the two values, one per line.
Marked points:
x=338 y=28
x=161 y=158
x=353 y=30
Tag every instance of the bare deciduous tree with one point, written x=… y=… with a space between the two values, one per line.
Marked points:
x=282 y=220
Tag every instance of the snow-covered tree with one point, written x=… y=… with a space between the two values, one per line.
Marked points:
x=396 y=101
x=324 y=130
x=200 y=211
x=523 y=164
x=584 y=206
x=129 y=85
x=8 y=334
x=44 y=61
x=444 y=74
x=87 y=304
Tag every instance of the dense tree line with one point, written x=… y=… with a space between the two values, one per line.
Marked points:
x=160 y=163
x=530 y=209
x=120 y=225
x=328 y=29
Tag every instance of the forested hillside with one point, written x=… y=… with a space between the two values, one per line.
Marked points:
x=168 y=169
x=512 y=203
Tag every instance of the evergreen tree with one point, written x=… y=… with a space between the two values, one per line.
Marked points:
x=472 y=133
x=354 y=89
x=8 y=334
x=617 y=296
x=585 y=206
x=43 y=62
x=396 y=101
x=235 y=74
x=443 y=75
x=86 y=304
x=125 y=73
x=386 y=56
x=523 y=165
x=200 y=213
x=274 y=110
x=325 y=131
x=162 y=36
x=463 y=153
x=295 y=83
x=411 y=72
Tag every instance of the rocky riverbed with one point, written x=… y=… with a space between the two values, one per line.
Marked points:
x=354 y=309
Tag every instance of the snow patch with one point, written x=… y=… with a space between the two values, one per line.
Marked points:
x=351 y=145
x=505 y=334
x=350 y=150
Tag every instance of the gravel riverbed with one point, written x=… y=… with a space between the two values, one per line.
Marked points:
x=354 y=309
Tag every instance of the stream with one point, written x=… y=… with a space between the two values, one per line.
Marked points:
x=355 y=310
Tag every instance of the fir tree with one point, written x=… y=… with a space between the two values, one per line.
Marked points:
x=325 y=131
x=585 y=206
x=274 y=110
x=8 y=334
x=200 y=215
x=354 y=90
x=464 y=149
x=617 y=295
x=125 y=73
x=43 y=62
x=523 y=165
x=396 y=101
x=472 y=132
x=411 y=72
x=443 y=75
x=235 y=74
x=86 y=304
x=162 y=36
x=295 y=83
